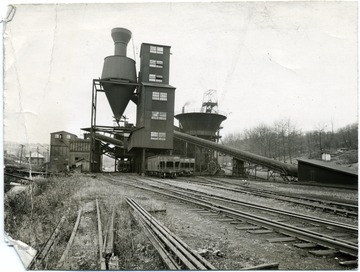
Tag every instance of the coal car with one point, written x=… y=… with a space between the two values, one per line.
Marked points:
x=169 y=166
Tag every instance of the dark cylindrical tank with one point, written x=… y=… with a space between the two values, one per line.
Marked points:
x=119 y=71
x=201 y=124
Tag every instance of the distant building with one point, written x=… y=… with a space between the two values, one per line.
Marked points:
x=325 y=173
x=35 y=158
x=80 y=154
x=60 y=150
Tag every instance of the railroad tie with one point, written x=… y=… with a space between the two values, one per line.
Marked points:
x=281 y=239
x=261 y=231
x=305 y=245
x=325 y=252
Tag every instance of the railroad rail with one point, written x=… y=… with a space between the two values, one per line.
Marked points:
x=176 y=254
x=105 y=248
x=316 y=220
x=38 y=261
x=309 y=236
x=325 y=205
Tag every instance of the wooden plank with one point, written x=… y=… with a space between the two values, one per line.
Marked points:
x=325 y=252
x=226 y=220
x=204 y=212
x=260 y=231
x=102 y=260
x=63 y=258
x=36 y=262
x=271 y=266
x=349 y=263
x=305 y=245
x=237 y=222
x=281 y=239
x=158 y=211
x=248 y=228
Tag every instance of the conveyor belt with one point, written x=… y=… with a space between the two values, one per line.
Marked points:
x=284 y=168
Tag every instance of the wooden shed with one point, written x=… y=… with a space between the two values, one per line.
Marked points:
x=326 y=173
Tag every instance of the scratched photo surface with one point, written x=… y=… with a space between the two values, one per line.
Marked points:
x=145 y=136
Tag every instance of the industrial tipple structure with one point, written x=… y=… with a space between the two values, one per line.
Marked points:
x=154 y=99
x=154 y=133
x=154 y=145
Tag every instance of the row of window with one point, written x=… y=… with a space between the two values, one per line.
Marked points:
x=158 y=115
x=60 y=136
x=156 y=49
x=159 y=96
x=155 y=78
x=156 y=63
x=158 y=136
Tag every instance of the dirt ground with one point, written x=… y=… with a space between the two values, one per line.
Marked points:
x=223 y=245
x=226 y=247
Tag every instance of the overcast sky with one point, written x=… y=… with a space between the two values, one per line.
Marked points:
x=267 y=60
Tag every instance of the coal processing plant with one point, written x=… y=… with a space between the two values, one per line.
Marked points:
x=153 y=145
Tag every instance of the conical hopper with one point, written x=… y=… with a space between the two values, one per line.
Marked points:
x=119 y=73
x=118 y=97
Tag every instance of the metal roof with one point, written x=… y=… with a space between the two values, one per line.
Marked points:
x=63 y=131
x=35 y=155
x=332 y=167
x=157 y=85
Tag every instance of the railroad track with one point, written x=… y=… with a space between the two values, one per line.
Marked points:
x=175 y=253
x=350 y=210
x=309 y=238
x=103 y=250
x=315 y=220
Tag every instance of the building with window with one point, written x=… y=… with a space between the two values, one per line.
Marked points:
x=155 y=108
x=35 y=158
x=60 y=150
x=67 y=151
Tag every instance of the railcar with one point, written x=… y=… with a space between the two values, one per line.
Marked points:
x=168 y=166
x=187 y=166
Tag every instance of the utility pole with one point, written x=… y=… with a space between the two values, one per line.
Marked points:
x=22 y=146
x=37 y=155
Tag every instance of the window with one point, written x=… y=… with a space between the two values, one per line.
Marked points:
x=68 y=136
x=156 y=49
x=154 y=136
x=159 y=96
x=158 y=115
x=158 y=136
x=155 y=78
x=57 y=136
x=162 y=136
x=163 y=96
x=60 y=136
x=156 y=63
